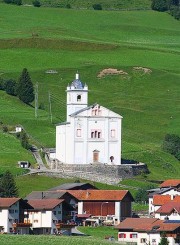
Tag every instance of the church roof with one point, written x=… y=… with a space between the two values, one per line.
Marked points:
x=84 y=109
x=77 y=83
x=92 y=106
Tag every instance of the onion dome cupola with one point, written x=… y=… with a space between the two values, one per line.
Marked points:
x=77 y=96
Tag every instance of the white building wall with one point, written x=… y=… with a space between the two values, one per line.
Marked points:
x=118 y=211
x=128 y=238
x=80 y=208
x=4 y=219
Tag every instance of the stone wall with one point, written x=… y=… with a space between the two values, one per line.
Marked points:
x=109 y=174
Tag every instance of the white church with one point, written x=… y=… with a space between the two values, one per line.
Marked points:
x=91 y=134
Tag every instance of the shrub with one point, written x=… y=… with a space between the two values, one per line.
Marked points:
x=36 y=3
x=5 y=129
x=10 y=87
x=68 y=6
x=97 y=6
x=171 y=144
x=159 y=5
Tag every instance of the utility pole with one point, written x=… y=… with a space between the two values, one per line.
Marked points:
x=50 y=109
x=36 y=100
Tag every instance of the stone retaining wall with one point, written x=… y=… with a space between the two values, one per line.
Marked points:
x=109 y=174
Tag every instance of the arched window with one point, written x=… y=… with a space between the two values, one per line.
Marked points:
x=79 y=97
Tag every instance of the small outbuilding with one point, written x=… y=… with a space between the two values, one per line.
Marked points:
x=24 y=164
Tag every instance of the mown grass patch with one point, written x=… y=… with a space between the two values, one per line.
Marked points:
x=51 y=239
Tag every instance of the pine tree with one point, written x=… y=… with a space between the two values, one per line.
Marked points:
x=8 y=185
x=25 y=90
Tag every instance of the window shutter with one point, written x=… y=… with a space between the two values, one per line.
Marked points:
x=124 y=235
x=130 y=235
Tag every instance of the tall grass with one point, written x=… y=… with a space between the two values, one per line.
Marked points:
x=89 y=41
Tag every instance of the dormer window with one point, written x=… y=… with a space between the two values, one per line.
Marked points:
x=79 y=98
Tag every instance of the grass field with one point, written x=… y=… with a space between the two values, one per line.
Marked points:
x=89 y=41
x=46 y=240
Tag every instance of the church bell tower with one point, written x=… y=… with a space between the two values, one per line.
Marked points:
x=77 y=96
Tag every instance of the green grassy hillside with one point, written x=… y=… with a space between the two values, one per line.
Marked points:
x=106 y=4
x=90 y=41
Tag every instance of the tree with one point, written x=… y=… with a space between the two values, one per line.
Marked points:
x=25 y=90
x=164 y=240
x=10 y=87
x=97 y=6
x=36 y=3
x=159 y=5
x=142 y=194
x=8 y=185
x=171 y=144
x=24 y=140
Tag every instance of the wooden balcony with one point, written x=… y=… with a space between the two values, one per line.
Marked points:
x=64 y=226
x=18 y=225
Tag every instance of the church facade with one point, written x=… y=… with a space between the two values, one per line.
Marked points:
x=91 y=134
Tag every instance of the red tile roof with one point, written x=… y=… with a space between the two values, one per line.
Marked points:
x=42 y=204
x=169 y=207
x=146 y=224
x=8 y=202
x=171 y=183
x=161 y=199
x=100 y=195
x=176 y=199
x=135 y=223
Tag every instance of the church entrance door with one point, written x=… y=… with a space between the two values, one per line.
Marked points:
x=95 y=156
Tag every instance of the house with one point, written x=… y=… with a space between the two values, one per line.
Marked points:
x=91 y=134
x=116 y=203
x=59 y=194
x=169 y=188
x=148 y=231
x=24 y=164
x=46 y=214
x=169 y=210
x=157 y=202
x=12 y=215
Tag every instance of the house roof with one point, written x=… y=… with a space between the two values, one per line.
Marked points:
x=113 y=114
x=70 y=186
x=45 y=203
x=169 y=207
x=171 y=183
x=100 y=195
x=45 y=195
x=161 y=199
x=135 y=223
x=8 y=202
x=158 y=191
x=146 y=224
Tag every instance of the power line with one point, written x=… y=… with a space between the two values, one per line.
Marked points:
x=36 y=100
x=50 y=109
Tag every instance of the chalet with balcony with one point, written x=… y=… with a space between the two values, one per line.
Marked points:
x=12 y=216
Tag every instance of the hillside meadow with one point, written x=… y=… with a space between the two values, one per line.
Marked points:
x=63 y=40
x=53 y=240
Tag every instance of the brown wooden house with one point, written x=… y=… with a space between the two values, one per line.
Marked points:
x=116 y=203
